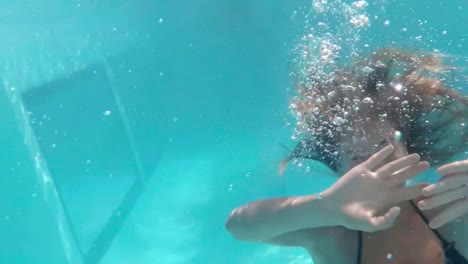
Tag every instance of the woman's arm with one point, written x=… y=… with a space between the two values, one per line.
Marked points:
x=365 y=199
x=265 y=219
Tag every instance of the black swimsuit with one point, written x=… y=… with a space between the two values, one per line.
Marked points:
x=452 y=256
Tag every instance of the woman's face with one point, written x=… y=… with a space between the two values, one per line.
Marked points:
x=365 y=139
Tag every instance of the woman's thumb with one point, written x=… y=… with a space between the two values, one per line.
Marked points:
x=387 y=220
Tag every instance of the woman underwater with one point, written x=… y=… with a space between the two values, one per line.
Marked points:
x=378 y=123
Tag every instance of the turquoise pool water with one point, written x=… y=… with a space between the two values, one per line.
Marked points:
x=132 y=128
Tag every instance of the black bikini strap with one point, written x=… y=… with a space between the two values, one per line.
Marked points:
x=419 y=213
x=359 y=251
x=439 y=236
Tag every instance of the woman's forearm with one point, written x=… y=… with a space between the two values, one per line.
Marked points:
x=265 y=219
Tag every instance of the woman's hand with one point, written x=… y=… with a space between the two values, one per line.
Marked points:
x=365 y=197
x=451 y=190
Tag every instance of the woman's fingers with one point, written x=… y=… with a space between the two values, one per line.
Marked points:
x=447 y=183
x=444 y=198
x=407 y=193
x=454 y=167
x=387 y=220
x=378 y=157
x=407 y=173
x=456 y=210
x=397 y=165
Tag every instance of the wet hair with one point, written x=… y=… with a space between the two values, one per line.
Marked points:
x=407 y=89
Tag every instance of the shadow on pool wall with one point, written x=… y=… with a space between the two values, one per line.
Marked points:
x=178 y=110
x=217 y=95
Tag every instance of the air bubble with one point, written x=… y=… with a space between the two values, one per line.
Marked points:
x=360 y=4
x=398 y=87
x=338 y=121
x=397 y=135
x=360 y=21
x=367 y=69
x=389 y=256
